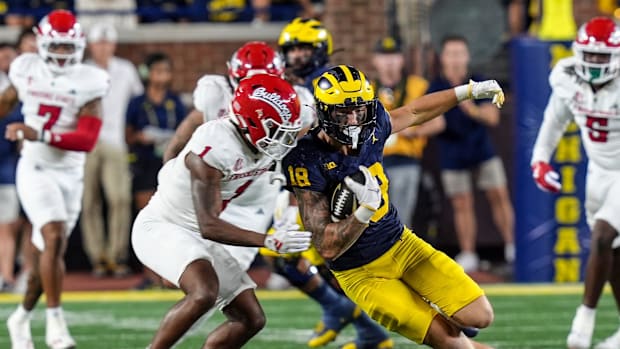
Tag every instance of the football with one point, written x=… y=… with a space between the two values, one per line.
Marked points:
x=343 y=202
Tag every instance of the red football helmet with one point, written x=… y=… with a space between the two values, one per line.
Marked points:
x=597 y=50
x=252 y=58
x=59 y=30
x=266 y=110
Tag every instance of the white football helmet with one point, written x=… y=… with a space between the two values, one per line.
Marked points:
x=598 y=37
x=60 y=40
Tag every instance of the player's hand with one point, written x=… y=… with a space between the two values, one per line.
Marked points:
x=488 y=89
x=368 y=194
x=545 y=177
x=288 y=240
x=287 y=219
x=18 y=131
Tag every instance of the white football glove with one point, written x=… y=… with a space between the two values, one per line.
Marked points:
x=368 y=195
x=288 y=239
x=488 y=89
x=286 y=219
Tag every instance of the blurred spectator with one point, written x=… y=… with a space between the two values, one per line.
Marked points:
x=227 y=10
x=403 y=151
x=107 y=170
x=26 y=41
x=166 y=10
x=25 y=13
x=119 y=13
x=266 y=10
x=151 y=121
x=9 y=204
x=466 y=150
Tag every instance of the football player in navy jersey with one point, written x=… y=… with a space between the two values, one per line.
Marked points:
x=306 y=46
x=393 y=275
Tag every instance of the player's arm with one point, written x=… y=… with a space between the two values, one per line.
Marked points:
x=207 y=199
x=556 y=118
x=183 y=133
x=83 y=138
x=331 y=239
x=429 y=106
x=8 y=101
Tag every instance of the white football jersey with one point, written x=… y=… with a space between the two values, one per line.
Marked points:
x=52 y=102
x=596 y=113
x=213 y=94
x=220 y=145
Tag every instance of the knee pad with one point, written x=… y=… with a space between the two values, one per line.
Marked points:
x=287 y=267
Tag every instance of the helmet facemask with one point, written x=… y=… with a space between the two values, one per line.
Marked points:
x=279 y=138
x=350 y=124
x=266 y=111
x=60 y=41
x=59 y=62
x=346 y=105
x=597 y=51
x=597 y=65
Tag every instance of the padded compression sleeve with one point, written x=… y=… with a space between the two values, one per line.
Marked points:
x=83 y=138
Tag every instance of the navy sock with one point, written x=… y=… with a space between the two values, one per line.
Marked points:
x=326 y=296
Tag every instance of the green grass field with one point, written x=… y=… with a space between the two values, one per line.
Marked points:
x=525 y=317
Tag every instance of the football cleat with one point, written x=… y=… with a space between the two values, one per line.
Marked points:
x=580 y=336
x=64 y=341
x=387 y=343
x=612 y=342
x=330 y=326
x=19 y=332
x=57 y=334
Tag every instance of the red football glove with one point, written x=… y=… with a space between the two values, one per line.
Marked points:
x=545 y=177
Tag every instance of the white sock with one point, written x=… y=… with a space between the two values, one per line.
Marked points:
x=21 y=312
x=54 y=313
x=586 y=311
x=509 y=252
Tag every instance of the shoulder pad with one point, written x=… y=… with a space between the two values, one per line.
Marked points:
x=563 y=79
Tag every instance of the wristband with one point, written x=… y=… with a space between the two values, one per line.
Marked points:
x=463 y=92
x=363 y=214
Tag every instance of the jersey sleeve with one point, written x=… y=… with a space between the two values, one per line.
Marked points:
x=306 y=100
x=302 y=170
x=96 y=85
x=563 y=80
x=208 y=94
x=20 y=68
x=210 y=145
x=556 y=118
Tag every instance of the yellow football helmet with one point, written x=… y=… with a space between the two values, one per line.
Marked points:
x=307 y=31
x=346 y=105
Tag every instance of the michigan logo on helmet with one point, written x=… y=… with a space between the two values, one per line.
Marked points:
x=597 y=50
x=266 y=110
x=60 y=40
x=346 y=105
x=307 y=31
